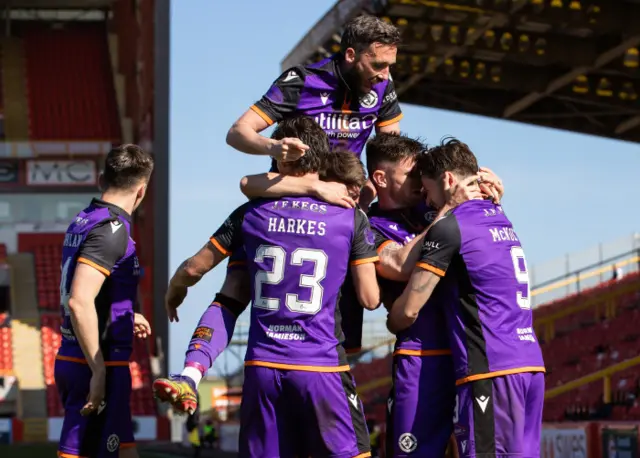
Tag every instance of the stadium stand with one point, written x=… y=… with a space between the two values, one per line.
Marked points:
x=73 y=82
x=71 y=94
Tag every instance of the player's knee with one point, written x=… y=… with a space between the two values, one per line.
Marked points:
x=236 y=285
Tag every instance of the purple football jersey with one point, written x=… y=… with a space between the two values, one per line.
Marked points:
x=298 y=252
x=429 y=330
x=491 y=325
x=321 y=91
x=100 y=237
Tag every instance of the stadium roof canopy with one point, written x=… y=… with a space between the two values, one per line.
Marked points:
x=568 y=64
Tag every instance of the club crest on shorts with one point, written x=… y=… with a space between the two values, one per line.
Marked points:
x=369 y=100
x=408 y=443
x=113 y=443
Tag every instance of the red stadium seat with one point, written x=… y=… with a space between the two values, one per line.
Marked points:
x=587 y=343
x=70 y=84
x=47 y=260
x=6 y=351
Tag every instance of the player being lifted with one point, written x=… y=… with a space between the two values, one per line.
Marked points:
x=347 y=94
x=98 y=289
x=477 y=256
x=294 y=356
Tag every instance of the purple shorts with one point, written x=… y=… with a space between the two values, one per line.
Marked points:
x=101 y=434
x=500 y=416
x=288 y=413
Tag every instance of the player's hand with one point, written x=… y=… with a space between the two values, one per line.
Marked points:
x=461 y=192
x=95 y=400
x=334 y=193
x=288 y=149
x=367 y=195
x=173 y=299
x=490 y=185
x=141 y=327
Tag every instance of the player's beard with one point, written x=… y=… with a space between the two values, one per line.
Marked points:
x=357 y=81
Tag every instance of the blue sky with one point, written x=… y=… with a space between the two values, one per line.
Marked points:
x=564 y=192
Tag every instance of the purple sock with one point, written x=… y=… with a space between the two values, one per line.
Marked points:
x=210 y=338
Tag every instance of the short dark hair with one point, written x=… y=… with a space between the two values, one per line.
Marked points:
x=450 y=156
x=364 y=30
x=311 y=134
x=391 y=147
x=343 y=167
x=126 y=166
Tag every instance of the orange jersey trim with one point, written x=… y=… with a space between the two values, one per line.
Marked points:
x=383 y=245
x=357 y=262
x=262 y=114
x=69 y=455
x=391 y=121
x=219 y=247
x=363 y=455
x=95 y=266
x=407 y=352
x=73 y=359
x=430 y=268
x=296 y=367
x=519 y=370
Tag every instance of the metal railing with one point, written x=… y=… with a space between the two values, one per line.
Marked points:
x=576 y=272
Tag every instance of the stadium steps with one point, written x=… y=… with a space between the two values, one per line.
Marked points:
x=120 y=85
x=35 y=430
x=27 y=366
x=16 y=107
x=25 y=327
x=24 y=297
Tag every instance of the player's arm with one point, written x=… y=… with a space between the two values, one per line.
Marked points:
x=362 y=263
x=227 y=238
x=276 y=185
x=440 y=245
x=390 y=113
x=278 y=103
x=97 y=256
x=396 y=261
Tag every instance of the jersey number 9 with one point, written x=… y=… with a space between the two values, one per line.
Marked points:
x=522 y=276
